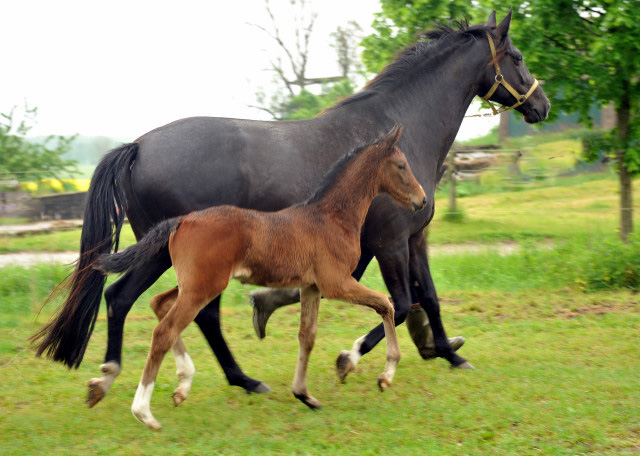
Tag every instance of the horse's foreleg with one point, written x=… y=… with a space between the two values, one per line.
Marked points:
x=164 y=337
x=425 y=290
x=120 y=296
x=310 y=301
x=185 y=368
x=395 y=272
x=352 y=291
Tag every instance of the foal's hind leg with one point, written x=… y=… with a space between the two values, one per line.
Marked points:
x=161 y=304
x=310 y=301
x=164 y=337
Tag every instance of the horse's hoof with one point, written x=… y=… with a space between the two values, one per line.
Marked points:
x=465 y=365
x=383 y=383
x=262 y=310
x=309 y=401
x=261 y=388
x=344 y=365
x=96 y=393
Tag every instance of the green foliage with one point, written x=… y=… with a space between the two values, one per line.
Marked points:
x=612 y=264
x=400 y=21
x=21 y=159
x=306 y=104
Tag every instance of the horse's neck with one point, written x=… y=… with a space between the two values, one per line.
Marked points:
x=430 y=107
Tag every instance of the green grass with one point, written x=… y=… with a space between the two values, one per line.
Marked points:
x=556 y=374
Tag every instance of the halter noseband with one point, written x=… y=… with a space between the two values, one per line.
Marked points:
x=500 y=81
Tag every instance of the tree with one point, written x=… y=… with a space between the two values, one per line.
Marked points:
x=586 y=51
x=400 y=21
x=21 y=159
x=295 y=100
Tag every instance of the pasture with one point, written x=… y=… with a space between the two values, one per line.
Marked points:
x=555 y=350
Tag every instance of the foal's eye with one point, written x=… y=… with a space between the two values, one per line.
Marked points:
x=402 y=166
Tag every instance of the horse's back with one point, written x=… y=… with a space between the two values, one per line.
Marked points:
x=200 y=162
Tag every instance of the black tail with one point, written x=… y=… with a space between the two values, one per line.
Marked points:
x=155 y=241
x=66 y=336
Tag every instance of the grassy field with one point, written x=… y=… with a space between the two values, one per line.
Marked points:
x=552 y=333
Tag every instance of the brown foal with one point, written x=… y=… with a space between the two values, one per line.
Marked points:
x=314 y=245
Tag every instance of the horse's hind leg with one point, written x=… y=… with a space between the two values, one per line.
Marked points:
x=185 y=369
x=120 y=296
x=310 y=301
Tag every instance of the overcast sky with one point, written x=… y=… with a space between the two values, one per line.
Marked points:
x=121 y=68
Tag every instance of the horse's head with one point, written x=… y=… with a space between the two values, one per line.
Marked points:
x=397 y=179
x=507 y=80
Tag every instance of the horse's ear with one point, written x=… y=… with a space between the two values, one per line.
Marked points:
x=392 y=137
x=502 y=29
x=491 y=22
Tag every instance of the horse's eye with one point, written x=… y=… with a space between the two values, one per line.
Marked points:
x=402 y=166
x=517 y=59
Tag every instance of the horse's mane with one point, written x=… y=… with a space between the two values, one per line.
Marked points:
x=431 y=47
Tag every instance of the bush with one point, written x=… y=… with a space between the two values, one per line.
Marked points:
x=612 y=264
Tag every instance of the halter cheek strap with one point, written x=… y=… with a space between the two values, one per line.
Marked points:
x=499 y=80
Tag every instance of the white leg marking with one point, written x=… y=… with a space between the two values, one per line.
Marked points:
x=354 y=353
x=141 y=407
x=186 y=371
x=109 y=371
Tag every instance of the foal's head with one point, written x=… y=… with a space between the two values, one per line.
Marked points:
x=396 y=177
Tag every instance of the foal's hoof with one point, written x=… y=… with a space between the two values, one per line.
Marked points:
x=178 y=398
x=261 y=388
x=96 y=393
x=465 y=365
x=309 y=401
x=383 y=383
x=344 y=364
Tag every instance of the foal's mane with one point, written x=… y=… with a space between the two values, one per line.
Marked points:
x=335 y=172
x=432 y=46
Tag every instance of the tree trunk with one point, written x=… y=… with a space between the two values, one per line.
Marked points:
x=626 y=194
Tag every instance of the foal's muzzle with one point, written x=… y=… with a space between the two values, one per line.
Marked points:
x=418 y=200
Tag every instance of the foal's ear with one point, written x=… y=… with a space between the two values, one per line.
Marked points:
x=502 y=30
x=392 y=137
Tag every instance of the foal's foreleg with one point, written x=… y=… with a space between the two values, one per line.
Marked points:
x=352 y=291
x=185 y=369
x=310 y=301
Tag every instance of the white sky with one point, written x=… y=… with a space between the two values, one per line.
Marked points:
x=121 y=68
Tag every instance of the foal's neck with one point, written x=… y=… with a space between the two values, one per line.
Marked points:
x=348 y=199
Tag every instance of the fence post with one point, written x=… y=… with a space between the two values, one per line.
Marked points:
x=451 y=171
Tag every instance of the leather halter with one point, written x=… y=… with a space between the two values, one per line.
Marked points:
x=499 y=80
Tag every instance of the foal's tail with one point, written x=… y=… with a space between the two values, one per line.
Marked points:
x=66 y=336
x=154 y=242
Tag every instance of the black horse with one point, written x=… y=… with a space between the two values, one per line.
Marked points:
x=199 y=162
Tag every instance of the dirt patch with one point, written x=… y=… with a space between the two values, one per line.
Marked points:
x=32 y=258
